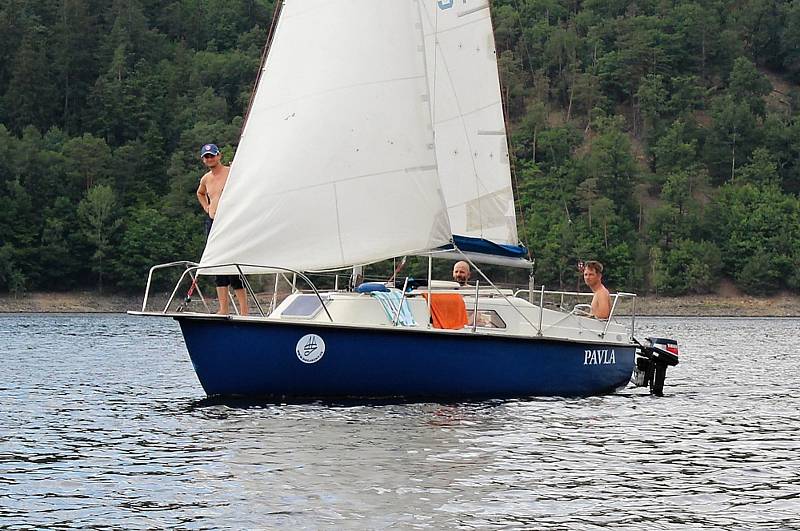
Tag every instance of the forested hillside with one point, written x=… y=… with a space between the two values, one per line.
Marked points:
x=662 y=138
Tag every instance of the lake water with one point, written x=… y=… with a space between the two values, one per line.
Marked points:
x=103 y=425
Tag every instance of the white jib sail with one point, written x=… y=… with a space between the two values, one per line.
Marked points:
x=470 y=132
x=336 y=164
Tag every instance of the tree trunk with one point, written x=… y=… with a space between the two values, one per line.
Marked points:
x=640 y=217
x=571 y=93
x=703 y=55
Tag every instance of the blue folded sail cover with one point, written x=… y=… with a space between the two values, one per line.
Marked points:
x=371 y=287
x=479 y=245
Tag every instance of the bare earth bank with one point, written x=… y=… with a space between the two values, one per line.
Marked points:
x=783 y=305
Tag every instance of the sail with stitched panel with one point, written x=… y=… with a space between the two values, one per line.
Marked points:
x=336 y=165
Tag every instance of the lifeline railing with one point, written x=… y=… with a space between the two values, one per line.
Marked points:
x=541 y=299
x=616 y=297
x=191 y=270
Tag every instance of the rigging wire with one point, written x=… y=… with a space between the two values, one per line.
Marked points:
x=479 y=186
x=270 y=35
x=509 y=145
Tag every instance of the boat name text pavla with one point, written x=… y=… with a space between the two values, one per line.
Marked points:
x=599 y=357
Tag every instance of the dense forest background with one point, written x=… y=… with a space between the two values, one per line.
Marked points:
x=660 y=137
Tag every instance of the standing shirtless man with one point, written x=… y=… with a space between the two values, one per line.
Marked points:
x=208 y=194
x=601 y=301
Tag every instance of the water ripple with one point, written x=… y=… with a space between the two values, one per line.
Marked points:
x=105 y=426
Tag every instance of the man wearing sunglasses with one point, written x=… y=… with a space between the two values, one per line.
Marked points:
x=208 y=194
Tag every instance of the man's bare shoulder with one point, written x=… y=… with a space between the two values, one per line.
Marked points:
x=207 y=180
x=211 y=176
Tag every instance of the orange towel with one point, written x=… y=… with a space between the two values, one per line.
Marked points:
x=448 y=310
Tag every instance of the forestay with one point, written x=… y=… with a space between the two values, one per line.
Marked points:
x=471 y=146
x=336 y=164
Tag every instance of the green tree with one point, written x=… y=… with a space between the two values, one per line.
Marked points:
x=231 y=75
x=96 y=215
x=675 y=150
x=677 y=190
x=604 y=212
x=732 y=137
x=697 y=26
x=643 y=46
x=760 y=23
x=652 y=98
x=63 y=253
x=666 y=225
x=686 y=96
x=749 y=86
x=11 y=277
x=31 y=93
x=762 y=169
x=762 y=274
x=513 y=85
x=587 y=93
x=74 y=52
x=790 y=36
x=506 y=26
x=40 y=169
x=17 y=221
x=535 y=120
x=588 y=194
x=688 y=267
x=90 y=159
x=150 y=237
x=611 y=163
x=753 y=226
x=15 y=22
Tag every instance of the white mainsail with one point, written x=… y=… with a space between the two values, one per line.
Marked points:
x=336 y=164
x=470 y=132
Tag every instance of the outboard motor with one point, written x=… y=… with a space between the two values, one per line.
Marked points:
x=652 y=360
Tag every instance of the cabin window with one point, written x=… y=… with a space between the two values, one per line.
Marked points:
x=303 y=306
x=486 y=319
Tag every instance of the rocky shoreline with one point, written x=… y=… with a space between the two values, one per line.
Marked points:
x=783 y=305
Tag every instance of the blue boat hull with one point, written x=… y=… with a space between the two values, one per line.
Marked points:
x=237 y=358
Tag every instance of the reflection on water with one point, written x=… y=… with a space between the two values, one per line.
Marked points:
x=104 y=425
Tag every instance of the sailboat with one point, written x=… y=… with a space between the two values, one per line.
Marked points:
x=376 y=131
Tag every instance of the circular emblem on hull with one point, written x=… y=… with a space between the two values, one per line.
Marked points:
x=310 y=348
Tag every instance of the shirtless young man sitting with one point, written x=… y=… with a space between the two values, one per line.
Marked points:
x=208 y=194
x=601 y=301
